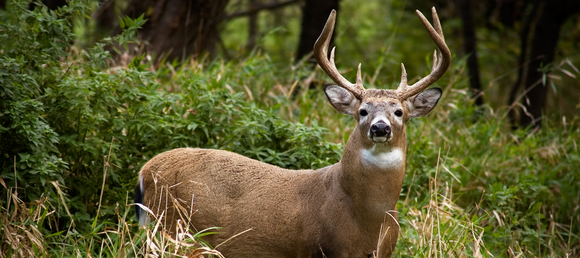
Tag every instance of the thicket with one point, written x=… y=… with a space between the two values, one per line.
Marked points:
x=71 y=123
x=75 y=129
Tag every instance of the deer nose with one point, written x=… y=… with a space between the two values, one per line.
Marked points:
x=380 y=129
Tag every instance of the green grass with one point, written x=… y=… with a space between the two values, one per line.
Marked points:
x=473 y=187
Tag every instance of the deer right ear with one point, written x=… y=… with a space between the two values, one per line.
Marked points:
x=424 y=102
x=341 y=99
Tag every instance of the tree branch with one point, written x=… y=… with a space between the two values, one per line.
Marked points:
x=258 y=8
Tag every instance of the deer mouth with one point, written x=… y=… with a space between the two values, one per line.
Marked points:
x=381 y=139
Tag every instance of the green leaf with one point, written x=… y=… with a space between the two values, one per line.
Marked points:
x=121 y=23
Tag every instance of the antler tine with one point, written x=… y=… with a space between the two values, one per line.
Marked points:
x=403 y=85
x=329 y=67
x=437 y=23
x=441 y=60
x=435 y=60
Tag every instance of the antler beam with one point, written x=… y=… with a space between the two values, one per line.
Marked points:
x=321 y=55
x=441 y=60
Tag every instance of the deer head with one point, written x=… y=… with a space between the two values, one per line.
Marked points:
x=382 y=114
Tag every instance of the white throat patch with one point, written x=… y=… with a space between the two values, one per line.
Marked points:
x=382 y=157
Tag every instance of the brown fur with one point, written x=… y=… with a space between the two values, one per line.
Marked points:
x=290 y=213
x=337 y=211
x=344 y=210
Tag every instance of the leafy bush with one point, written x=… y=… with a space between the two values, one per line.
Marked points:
x=518 y=189
x=33 y=44
x=68 y=118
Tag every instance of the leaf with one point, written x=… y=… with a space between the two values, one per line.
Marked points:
x=192 y=126
x=121 y=23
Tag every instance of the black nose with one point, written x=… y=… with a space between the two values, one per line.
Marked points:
x=380 y=129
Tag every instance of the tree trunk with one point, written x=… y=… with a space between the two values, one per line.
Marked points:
x=252 y=26
x=177 y=29
x=529 y=19
x=314 y=16
x=470 y=48
x=544 y=42
x=50 y=4
x=105 y=16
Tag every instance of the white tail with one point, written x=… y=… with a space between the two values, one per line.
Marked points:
x=344 y=210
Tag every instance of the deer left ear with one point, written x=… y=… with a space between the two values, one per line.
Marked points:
x=341 y=99
x=424 y=102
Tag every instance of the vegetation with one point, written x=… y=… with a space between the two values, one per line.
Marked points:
x=76 y=127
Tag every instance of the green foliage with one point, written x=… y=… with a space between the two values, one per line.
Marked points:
x=518 y=189
x=69 y=118
x=32 y=45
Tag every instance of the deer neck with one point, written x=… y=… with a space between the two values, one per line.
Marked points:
x=372 y=174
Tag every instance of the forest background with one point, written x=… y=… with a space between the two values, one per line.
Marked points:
x=89 y=91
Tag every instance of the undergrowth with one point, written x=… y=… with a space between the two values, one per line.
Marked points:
x=76 y=128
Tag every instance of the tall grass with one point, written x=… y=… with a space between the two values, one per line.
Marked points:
x=473 y=187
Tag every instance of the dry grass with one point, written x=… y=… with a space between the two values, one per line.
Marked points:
x=440 y=228
x=28 y=230
x=20 y=235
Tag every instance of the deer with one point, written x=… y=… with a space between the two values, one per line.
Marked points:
x=343 y=210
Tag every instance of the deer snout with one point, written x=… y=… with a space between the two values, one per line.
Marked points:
x=380 y=131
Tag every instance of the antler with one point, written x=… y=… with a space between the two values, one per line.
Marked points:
x=321 y=55
x=440 y=62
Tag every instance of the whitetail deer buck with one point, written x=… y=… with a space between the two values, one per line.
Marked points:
x=344 y=210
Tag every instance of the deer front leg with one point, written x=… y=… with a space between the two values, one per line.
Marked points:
x=388 y=235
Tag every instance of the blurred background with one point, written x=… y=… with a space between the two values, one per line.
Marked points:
x=518 y=53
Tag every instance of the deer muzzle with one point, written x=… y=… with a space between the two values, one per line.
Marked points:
x=380 y=131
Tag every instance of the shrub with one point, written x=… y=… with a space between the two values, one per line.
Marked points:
x=68 y=117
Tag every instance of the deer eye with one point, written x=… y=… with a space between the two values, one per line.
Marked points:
x=363 y=112
x=398 y=113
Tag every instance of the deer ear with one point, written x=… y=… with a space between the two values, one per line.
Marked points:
x=341 y=99
x=424 y=102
